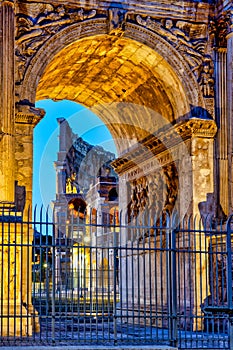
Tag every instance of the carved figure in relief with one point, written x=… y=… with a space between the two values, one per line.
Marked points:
x=33 y=31
x=116 y=21
x=20 y=65
x=51 y=16
x=189 y=39
x=175 y=34
x=81 y=15
x=155 y=195
x=206 y=80
x=146 y=196
x=171 y=180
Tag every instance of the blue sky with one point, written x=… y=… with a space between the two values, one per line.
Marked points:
x=82 y=121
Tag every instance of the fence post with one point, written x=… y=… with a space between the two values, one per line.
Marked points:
x=115 y=267
x=53 y=282
x=174 y=282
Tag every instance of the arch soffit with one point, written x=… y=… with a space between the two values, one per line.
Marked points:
x=95 y=27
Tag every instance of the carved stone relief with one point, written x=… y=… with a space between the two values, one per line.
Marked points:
x=189 y=39
x=35 y=28
x=38 y=23
x=206 y=79
x=116 y=21
x=202 y=169
x=155 y=193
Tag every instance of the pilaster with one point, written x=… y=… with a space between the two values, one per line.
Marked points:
x=229 y=38
x=26 y=119
x=222 y=173
x=7 y=46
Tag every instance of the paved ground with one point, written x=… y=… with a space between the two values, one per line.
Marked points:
x=141 y=347
x=102 y=336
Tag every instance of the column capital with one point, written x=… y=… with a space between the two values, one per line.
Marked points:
x=8 y=2
x=26 y=114
x=221 y=28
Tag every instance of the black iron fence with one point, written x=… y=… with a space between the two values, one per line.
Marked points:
x=107 y=279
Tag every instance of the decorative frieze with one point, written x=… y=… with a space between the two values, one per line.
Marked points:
x=154 y=193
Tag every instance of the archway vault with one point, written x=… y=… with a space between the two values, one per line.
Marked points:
x=128 y=84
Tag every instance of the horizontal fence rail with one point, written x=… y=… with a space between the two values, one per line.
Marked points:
x=108 y=279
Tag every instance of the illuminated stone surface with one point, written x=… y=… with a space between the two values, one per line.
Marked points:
x=140 y=66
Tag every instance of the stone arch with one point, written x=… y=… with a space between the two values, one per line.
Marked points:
x=173 y=84
x=95 y=27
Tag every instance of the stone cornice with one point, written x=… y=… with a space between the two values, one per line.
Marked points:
x=189 y=10
x=197 y=128
x=168 y=138
x=29 y=119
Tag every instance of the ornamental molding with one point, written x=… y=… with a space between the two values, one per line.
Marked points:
x=197 y=128
x=29 y=119
x=158 y=147
x=94 y=26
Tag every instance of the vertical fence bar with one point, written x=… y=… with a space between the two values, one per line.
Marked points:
x=168 y=276
x=53 y=282
x=174 y=284
x=115 y=286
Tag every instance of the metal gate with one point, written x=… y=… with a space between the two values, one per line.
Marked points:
x=105 y=279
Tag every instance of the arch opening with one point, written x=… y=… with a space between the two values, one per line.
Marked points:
x=127 y=84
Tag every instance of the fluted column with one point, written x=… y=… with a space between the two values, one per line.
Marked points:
x=26 y=118
x=230 y=105
x=222 y=136
x=7 y=37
